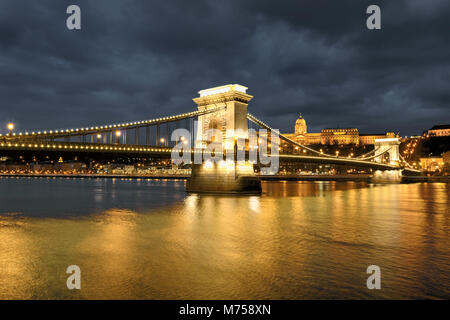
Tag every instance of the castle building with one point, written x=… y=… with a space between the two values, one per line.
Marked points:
x=332 y=136
x=440 y=130
x=339 y=136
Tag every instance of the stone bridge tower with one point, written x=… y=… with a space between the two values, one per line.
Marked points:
x=232 y=120
x=230 y=176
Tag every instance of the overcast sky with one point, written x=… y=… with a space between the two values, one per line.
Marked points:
x=136 y=60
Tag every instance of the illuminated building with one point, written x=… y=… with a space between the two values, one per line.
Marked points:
x=431 y=164
x=446 y=157
x=334 y=135
x=440 y=130
x=339 y=136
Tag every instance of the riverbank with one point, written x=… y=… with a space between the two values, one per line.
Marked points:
x=343 y=177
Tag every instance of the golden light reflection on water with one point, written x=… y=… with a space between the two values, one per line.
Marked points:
x=16 y=249
x=110 y=252
x=296 y=240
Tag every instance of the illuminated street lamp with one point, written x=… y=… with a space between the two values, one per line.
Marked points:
x=118 y=134
x=10 y=127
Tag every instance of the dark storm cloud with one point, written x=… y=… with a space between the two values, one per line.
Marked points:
x=136 y=60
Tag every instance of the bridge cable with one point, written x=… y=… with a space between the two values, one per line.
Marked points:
x=52 y=134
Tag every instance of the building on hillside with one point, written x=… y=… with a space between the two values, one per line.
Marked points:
x=339 y=136
x=439 y=130
x=333 y=135
x=431 y=164
x=446 y=157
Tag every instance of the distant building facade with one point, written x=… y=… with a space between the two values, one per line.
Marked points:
x=446 y=157
x=431 y=163
x=339 y=136
x=333 y=135
x=440 y=130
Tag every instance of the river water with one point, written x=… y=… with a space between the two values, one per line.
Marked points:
x=148 y=239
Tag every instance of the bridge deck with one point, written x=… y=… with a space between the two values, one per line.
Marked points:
x=166 y=152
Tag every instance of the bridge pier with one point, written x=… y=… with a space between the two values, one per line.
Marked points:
x=223 y=177
x=387 y=176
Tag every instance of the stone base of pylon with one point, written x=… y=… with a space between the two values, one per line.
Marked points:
x=387 y=176
x=218 y=179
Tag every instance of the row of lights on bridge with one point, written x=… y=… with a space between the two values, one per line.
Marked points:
x=10 y=126
x=86 y=147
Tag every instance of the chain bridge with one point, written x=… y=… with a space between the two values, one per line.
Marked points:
x=221 y=108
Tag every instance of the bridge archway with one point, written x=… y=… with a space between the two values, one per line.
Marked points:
x=389 y=146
